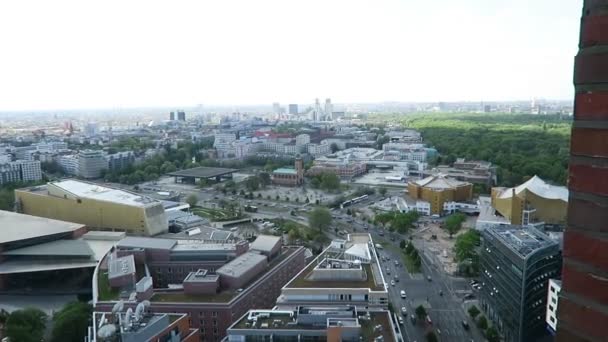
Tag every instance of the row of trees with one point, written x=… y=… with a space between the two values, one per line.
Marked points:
x=327 y=181
x=482 y=323
x=396 y=221
x=28 y=325
x=412 y=254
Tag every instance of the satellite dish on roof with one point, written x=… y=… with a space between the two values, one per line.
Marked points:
x=118 y=306
x=106 y=331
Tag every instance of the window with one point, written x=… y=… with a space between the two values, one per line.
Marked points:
x=551 y=308
x=552 y=319
x=214 y=314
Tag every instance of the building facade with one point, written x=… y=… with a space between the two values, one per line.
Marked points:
x=438 y=190
x=91 y=163
x=120 y=160
x=345 y=171
x=555 y=286
x=516 y=265
x=97 y=207
x=289 y=177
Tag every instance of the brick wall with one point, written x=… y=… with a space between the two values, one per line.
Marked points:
x=583 y=304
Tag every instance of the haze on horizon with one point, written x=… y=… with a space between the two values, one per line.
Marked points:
x=74 y=54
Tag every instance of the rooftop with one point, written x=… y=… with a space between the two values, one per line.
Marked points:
x=540 y=188
x=74 y=248
x=522 y=239
x=241 y=264
x=439 y=181
x=146 y=242
x=265 y=243
x=202 y=172
x=17 y=227
x=102 y=193
x=285 y=170
x=302 y=280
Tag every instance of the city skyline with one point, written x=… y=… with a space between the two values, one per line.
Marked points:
x=134 y=56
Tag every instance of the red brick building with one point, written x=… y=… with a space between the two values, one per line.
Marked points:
x=583 y=303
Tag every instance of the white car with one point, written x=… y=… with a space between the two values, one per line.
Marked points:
x=392 y=282
x=404 y=310
x=403 y=294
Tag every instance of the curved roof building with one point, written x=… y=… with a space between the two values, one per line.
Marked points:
x=532 y=201
x=439 y=189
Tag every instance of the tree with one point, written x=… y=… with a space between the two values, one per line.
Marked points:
x=242 y=192
x=264 y=179
x=192 y=200
x=334 y=147
x=431 y=337
x=26 y=325
x=320 y=218
x=454 y=222
x=482 y=323
x=402 y=244
x=330 y=181
x=382 y=191
x=465 y=245
x=71 y=323
x=252 y=183
x=474 y=311
x=492 y=335
x=420 y=312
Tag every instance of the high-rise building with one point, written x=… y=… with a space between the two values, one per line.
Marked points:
x=120 y=160
x=516 y=265
x=172 y=116
x=91 y=129
x=276 y=108
x=293 y=109
x=583 y=303
x=91 y=163
x=30 y=170
x=302 y=139
x=181 y=115
x=329 y=108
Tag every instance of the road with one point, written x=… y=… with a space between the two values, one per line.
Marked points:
x=446 y=311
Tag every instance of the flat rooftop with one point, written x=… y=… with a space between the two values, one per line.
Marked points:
x=242 y=264
x=202 y=172
x=285 y=170
x=302 y=281
x=522 y=239
x=102 y=193
x=17 y=227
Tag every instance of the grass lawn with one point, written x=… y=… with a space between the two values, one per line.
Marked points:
x=216 y=214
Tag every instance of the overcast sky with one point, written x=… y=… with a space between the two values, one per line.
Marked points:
x=71 y=54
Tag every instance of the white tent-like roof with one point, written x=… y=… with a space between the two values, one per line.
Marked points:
x=360 y=251
x=540 y=188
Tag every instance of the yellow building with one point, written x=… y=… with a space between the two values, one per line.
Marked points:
x=439 y=190
x=96 y=206
x=532 y=201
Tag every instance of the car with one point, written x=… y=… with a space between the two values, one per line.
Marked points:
x=465 y=325
x=473 y=282
x=396 y=278
x=388 y=271
x=477 y=287
x=392 y=283
x=381 y=233
x=403 y=294
x=428 y=319
x=404 y=311
x=401 y=322
x=413 y=318
x=441 y=293
x=469 y=296
x=396 y=263
x=428 y=277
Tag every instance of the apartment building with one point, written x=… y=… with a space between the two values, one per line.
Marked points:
x=516 y=265
x=91 y=163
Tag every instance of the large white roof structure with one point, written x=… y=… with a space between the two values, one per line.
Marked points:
x=16 y=227
x=360 y=251
x=540 y=188
x=439 y=181
x=98 y=192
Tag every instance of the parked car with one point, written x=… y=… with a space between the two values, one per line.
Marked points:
x=401 y=322
x=465 y=325
x=413 y=318
x=392 y=283
x=428 y=277
x=403 y=294
x=404 y=311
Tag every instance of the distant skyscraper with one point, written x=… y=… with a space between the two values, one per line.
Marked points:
x=276 y=108
x=293 y=109
x=90 y=129
x=486 y=108
x=329 y=108
x=172 y=116
x=181 y=116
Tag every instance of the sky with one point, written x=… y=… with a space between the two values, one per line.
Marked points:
x=107 y=54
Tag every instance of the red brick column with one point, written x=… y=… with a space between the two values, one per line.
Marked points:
x=583 y=303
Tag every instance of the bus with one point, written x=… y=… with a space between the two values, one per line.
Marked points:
x=353 y=201
x=251 y=209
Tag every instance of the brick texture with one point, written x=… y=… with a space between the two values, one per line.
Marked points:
x=587 y=215
x=585 y=319
x=591 y=105
x=589 y=178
